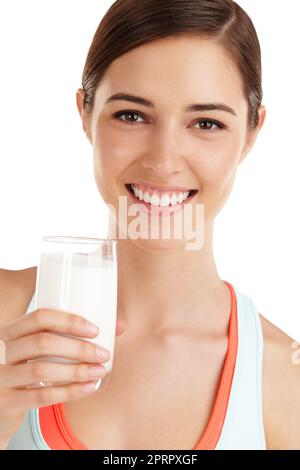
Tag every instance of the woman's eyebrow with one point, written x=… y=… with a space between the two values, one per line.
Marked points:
x=190 y=108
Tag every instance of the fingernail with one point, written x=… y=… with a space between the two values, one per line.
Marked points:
x=96 y=371
x=92 y=328
x=103 y=354
x=88 y=387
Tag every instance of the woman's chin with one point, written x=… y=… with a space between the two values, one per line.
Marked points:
x=160 y=245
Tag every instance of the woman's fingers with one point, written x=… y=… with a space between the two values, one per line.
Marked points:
x=55 y=320
x=35 y=372
x=16 y=401
x=53 y=344
x=46 y=319
x=46 y=332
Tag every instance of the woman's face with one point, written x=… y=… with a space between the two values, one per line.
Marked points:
x=164 y=143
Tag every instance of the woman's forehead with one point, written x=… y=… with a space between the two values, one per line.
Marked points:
x=187 y=59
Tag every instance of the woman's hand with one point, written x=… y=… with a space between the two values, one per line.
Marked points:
x=32 y=336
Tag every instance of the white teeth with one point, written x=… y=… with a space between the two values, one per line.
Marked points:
x=154 y=200
x=173 y=199
x=180 y=197
x=164 y=201
x=147 y=197
x=135 y=190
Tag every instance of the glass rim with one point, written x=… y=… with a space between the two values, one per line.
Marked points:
x=77 y=240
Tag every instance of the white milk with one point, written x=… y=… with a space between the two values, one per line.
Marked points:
x=89 y=288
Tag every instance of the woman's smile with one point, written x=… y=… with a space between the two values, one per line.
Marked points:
x=158 y=202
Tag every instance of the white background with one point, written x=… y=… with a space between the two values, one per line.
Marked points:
x=46 y=177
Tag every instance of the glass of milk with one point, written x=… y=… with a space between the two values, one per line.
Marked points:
x=79 y=275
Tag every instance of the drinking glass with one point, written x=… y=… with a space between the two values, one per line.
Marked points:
x=79 y=275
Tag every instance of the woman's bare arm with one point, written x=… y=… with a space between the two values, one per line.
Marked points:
x=16 y=290
x=281 y=386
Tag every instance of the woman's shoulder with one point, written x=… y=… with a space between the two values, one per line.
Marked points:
x=16 y=290
x=281 y=385
x=18 y=278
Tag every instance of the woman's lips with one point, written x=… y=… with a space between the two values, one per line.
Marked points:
x=161 y=210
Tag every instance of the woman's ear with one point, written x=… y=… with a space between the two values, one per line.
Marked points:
x=85 y=117
x=253 y=133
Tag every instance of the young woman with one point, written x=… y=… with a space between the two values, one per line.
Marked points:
x=171 y=104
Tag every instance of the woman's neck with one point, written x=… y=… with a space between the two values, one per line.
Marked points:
x=161 y=290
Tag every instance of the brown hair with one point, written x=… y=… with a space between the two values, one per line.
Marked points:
x=130 y=23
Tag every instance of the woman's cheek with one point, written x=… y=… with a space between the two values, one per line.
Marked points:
x=216 y=174
x=107 y=174
x=102 y=176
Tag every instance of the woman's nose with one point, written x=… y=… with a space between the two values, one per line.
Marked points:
x=164 y=154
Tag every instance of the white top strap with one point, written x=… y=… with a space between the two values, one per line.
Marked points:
x=243 y=425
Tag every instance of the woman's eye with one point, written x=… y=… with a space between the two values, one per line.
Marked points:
x=219 y=125
x=131 y=114
x=127 y=113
